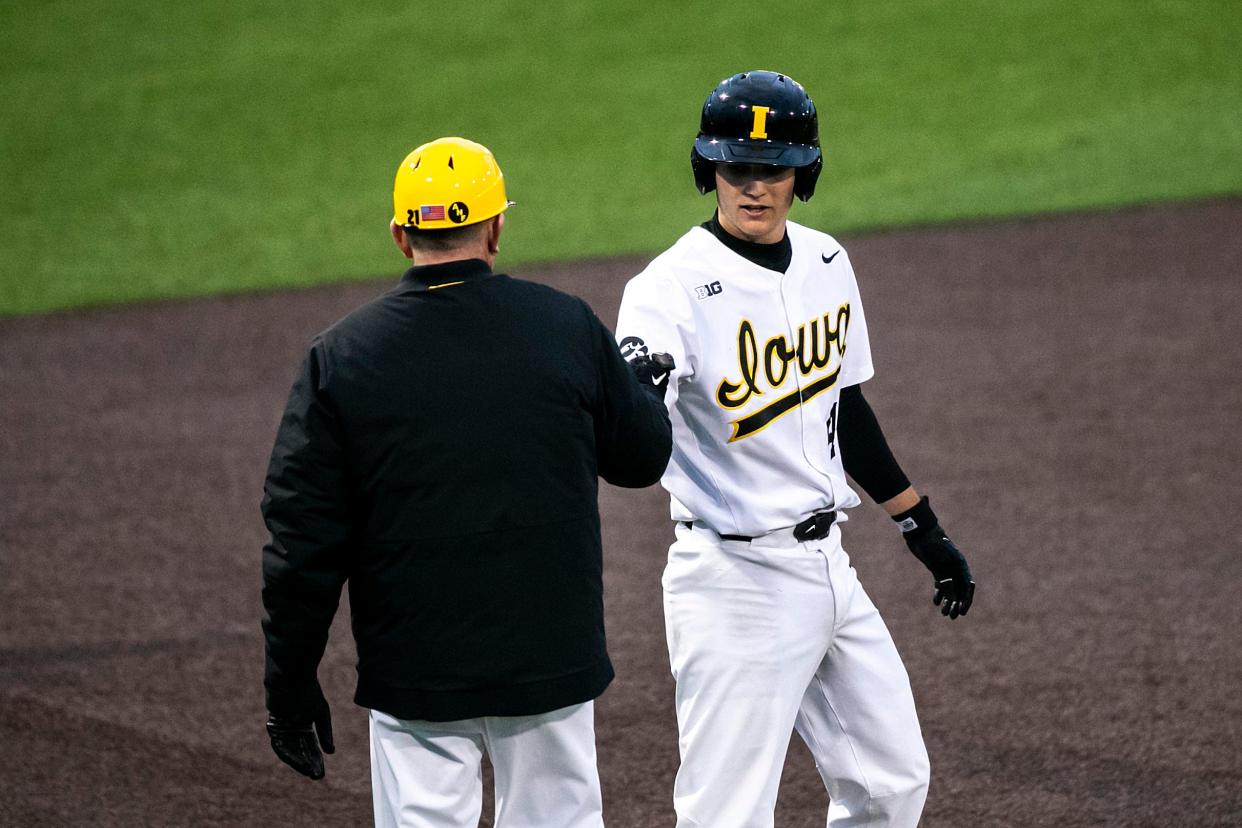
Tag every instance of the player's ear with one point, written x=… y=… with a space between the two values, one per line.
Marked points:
x=493 y=233
x=402 y=241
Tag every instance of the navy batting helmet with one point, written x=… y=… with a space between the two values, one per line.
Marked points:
x=758 y=118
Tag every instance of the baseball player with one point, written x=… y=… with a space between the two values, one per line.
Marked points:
x=768 y=628
x=440 y=451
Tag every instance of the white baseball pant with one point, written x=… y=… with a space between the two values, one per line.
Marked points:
x=430 y=774
x=772 y=636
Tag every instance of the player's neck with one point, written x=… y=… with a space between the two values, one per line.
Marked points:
x=776 y=256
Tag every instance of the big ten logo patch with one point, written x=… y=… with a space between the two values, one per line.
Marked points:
x=706 y=291
x=632 y=347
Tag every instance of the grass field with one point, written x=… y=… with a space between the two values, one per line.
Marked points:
x=155 y=150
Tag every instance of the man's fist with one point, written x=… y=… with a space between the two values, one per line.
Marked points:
x=293 y=739
x=653 y=372
x=955 y=586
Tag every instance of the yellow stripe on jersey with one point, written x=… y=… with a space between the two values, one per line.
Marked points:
x=756 y=421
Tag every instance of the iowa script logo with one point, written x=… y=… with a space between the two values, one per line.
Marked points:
x=770 y=367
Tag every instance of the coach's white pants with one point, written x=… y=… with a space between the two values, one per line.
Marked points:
x=430 y=774
x=776 y=635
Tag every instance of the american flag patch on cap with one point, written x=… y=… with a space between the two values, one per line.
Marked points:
x=431 y=212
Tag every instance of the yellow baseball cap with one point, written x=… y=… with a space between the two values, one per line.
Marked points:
x=447 y=183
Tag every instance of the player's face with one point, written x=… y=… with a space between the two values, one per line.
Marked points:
x=754 y=200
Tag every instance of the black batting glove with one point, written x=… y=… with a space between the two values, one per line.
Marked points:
x=653 y=372
x=294 y=737
x=955 y=587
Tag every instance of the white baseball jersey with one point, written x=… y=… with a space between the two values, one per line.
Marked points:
x=761 y=359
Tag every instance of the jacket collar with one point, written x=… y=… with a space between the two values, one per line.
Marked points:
x=425 y=277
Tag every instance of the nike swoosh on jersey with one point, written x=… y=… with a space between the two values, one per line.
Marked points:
x=828 y=259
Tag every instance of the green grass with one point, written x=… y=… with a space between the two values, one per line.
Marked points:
x=157 y=149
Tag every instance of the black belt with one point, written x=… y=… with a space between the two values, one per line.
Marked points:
x=816 y=527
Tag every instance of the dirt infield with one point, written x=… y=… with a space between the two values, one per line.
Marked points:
x=1066 y=389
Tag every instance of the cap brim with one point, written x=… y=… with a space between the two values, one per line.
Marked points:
x=743 y=151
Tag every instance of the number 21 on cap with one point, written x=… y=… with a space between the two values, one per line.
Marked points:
x=760 y=127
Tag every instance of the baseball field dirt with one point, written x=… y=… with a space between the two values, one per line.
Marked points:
x=1067 y=389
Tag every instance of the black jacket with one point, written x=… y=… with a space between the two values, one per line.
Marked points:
x=440 y=452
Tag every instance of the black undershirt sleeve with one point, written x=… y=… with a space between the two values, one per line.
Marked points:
x=864 y=451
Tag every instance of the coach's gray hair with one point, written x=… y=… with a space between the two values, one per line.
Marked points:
x=440 y=241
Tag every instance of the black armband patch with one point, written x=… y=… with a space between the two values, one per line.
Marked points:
x=918 y=520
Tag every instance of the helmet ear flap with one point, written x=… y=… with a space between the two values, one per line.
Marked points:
x=805 y=178
x=704 y=172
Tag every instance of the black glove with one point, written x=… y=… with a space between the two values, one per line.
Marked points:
x=293 y=737
x=955 y=588
x=653 y=372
